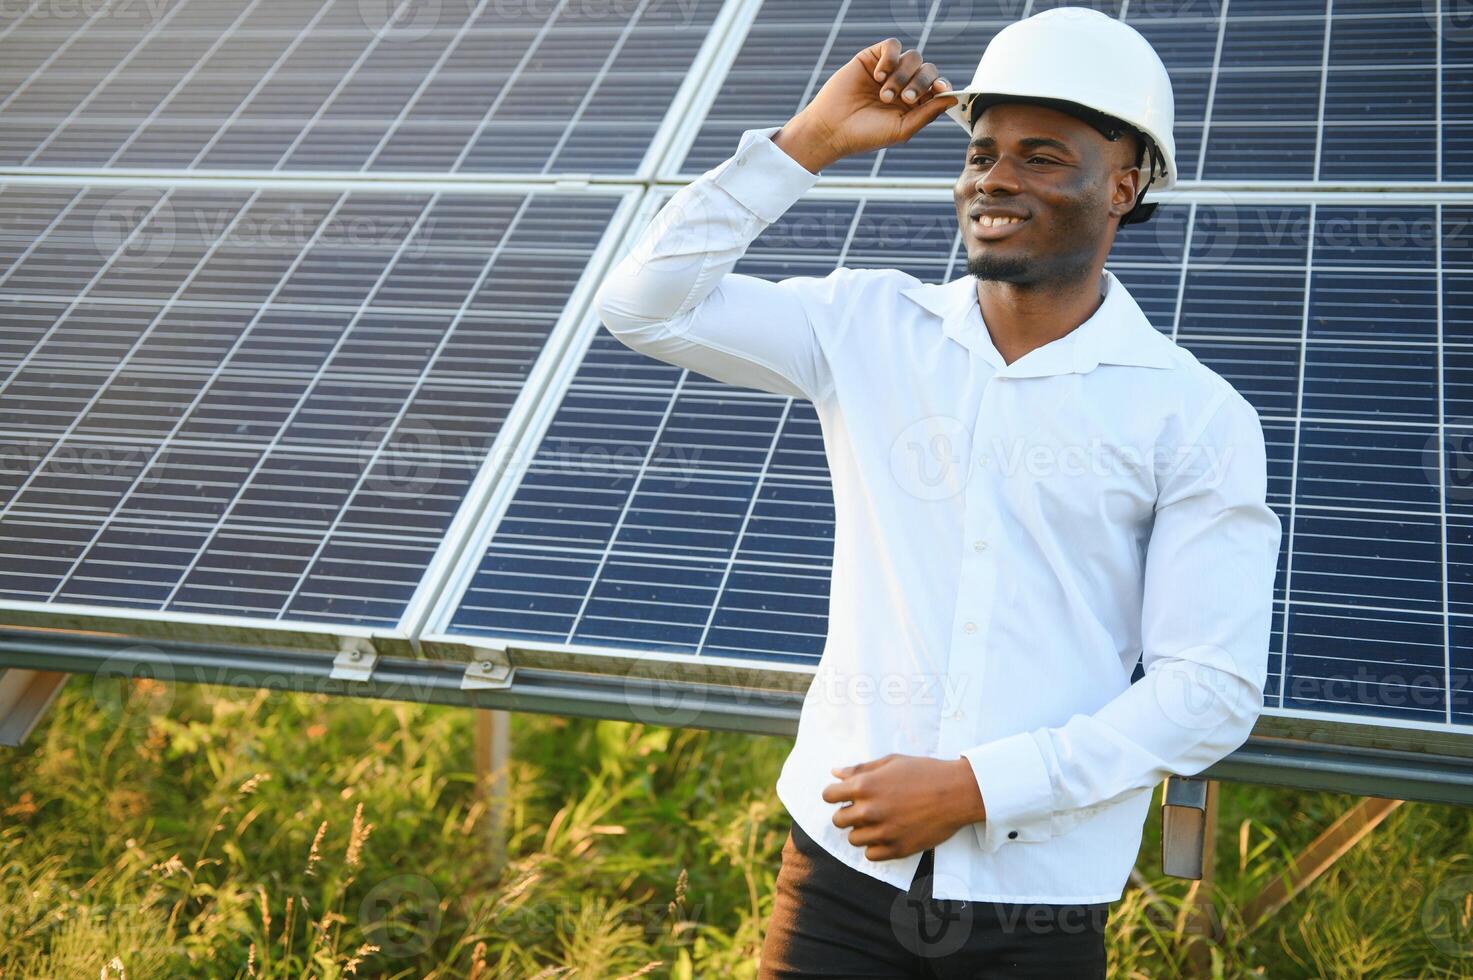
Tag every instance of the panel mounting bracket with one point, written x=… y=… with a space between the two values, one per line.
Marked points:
x=24 y=697
x=355 y=661
x=1184 y=826
x=490 y=669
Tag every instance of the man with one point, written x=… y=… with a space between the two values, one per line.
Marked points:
x=1033 y=487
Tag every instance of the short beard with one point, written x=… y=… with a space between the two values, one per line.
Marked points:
x=1054 y=271
x=999 y=268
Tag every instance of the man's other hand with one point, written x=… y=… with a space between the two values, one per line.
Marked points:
x=903 y=804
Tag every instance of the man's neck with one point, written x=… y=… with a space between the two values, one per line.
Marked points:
x=1021 y=319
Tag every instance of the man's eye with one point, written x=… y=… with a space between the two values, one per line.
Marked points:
x=976 y=159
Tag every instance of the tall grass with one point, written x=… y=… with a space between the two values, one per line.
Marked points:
x=159 y=831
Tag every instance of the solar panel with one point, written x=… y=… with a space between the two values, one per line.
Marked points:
x=666 y=511
x=1368 y=91
x=347 y=86
x=263 y=403
x=341 y=403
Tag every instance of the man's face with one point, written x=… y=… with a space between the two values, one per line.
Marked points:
x=1060 y=176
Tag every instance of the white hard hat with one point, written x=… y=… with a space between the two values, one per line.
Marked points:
x=1086 y=63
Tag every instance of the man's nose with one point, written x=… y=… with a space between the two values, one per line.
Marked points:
x=1002 y=176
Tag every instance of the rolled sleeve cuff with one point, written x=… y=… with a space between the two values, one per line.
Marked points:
x=762 y=177
x=1016 y=790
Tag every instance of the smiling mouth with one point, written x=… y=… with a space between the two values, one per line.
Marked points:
x=992 y=228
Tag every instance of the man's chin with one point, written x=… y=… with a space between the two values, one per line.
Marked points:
x=989 y=266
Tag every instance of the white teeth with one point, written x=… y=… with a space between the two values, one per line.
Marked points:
x=987 y=221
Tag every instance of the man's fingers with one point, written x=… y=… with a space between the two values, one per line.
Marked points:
x=869 y=836
x=920 y=116
x=860 y=767
x=920 y=83
x=837 y=793
x=889 y=54
x=905 y=69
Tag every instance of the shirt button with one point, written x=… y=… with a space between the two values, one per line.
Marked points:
x=1012 y=834
x=982 y=460
x=969 y=627
x=979 y=545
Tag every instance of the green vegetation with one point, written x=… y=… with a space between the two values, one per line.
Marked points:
x=157 y=831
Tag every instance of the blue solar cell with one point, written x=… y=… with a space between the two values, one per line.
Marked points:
x=1267 y=374
x=1373 y=560
x=1361 y=39
x=1280 y=95
x=1274 y=42
x=1370 y=382
x=1364 y=235
x=1351 y=151
x=1457 y=365
x=650 y=604
x=1375 y=467
x=1457 y=152
x=1243 y=302
x=1380 y=663
x=1405 y=304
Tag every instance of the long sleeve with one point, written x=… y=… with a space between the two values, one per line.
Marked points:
x=1205 y=625
x=675 y=298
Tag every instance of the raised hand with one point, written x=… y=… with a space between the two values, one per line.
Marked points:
x=881 y=97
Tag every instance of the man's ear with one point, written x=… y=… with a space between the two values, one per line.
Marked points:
x=1126 y=187
x=1130 y=176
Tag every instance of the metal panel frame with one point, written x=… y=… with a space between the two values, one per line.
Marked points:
x=1269 y=757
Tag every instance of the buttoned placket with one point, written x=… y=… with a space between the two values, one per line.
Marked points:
x=978 y=579
x=976 y=600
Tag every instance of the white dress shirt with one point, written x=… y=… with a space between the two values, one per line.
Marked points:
x=1008 y=538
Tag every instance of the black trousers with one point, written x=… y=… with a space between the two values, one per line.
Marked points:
x=830 y=920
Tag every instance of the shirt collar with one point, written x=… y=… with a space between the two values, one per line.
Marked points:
x=1117 y=333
